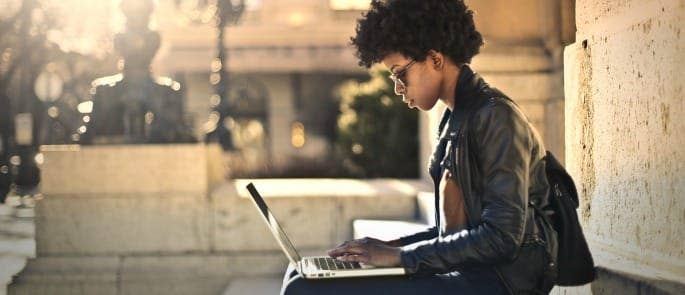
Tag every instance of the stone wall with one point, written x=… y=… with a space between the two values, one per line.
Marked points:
x=624 y=138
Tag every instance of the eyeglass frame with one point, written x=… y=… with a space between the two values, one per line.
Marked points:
x=395 y=77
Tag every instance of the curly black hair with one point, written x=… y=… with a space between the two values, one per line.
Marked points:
x=413 y=27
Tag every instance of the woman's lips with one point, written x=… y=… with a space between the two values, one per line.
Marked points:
x=411 y=103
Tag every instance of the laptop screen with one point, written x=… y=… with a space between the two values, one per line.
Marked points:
x=273 y=225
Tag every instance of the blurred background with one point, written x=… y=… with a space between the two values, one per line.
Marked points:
x=276 y=82
x=274 y=89
x=128 y=130
x=271 y=87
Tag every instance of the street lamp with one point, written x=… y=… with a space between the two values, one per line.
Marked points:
x=221 y=13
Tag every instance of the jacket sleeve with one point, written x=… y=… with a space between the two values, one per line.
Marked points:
x=501 y=148
x=428 y=234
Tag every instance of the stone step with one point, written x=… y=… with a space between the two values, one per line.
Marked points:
x=179 y=274
x=254 y=285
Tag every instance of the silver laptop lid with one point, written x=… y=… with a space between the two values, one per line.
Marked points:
x=273 y=225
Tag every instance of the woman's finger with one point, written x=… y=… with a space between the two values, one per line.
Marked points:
x=361 y=258
x=345 y=243
x=345 y=250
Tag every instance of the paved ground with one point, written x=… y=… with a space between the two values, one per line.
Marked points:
x=17 y=241
x=265 y=286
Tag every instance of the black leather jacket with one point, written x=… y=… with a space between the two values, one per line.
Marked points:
x=496 y=157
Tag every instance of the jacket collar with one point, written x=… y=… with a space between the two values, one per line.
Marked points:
x=469 y=84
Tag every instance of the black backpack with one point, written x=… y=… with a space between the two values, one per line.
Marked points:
x=575 y=265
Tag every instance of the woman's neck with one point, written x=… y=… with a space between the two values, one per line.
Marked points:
x=449 y=85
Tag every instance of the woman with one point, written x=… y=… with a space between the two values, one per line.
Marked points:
x=487 y=167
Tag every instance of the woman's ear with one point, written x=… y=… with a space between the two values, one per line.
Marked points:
x=437 y=58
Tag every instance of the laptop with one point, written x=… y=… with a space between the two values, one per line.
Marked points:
x=316 y=267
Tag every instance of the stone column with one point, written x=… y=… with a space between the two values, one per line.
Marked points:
x=624 y=95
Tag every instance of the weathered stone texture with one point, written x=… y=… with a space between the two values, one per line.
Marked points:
x=624 y=141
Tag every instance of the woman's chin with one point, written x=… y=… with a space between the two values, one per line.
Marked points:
x=420 y=108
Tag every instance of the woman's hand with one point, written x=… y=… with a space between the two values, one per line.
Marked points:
x=368 y=251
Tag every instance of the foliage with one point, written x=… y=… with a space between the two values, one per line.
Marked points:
x=377 y=133
x=34 y=37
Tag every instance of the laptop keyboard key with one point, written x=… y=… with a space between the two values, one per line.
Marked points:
x=327 y=263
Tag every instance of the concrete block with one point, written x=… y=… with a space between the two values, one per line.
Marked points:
x=120 y=169
x=314 y=213
x=398 y=207
x=309 y=222
x=86 y=226
x=324 y=187
x=386 y=230
x=426 y=207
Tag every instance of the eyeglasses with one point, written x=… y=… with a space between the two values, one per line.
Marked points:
x=401 y=86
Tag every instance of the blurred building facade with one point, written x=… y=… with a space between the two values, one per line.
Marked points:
x=289 y=56
x=286 y=59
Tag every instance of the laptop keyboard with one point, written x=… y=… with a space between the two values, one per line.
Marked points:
x=327 y=263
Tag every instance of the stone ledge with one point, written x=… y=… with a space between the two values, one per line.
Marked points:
x=386 y=230
x=611 y=281
x=316 y=213
x=426 y=206
x=618 y=273
x=329 y=187
x=116 y=169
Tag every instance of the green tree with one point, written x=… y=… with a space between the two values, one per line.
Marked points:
x=377 y=132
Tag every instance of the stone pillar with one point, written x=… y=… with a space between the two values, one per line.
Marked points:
x=624 y=141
